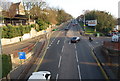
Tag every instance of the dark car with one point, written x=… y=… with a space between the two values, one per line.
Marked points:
x=73 y=24
x=66 y=29
x=75 y=39
x=109 y=34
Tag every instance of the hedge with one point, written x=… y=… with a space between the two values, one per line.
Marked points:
x=10 y=31
x=6 y=65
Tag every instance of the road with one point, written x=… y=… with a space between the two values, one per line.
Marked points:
x=66 y=60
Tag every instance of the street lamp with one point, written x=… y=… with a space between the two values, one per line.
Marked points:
x=28 y=17
x=84 y=19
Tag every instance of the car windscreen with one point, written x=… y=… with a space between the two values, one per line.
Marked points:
x=74 y=38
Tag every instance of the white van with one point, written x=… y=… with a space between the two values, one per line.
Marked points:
x=115 y=38
x=40 y=76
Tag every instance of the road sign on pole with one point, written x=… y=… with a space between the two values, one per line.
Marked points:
x=22 y=55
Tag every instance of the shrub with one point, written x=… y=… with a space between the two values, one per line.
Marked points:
x=10 y=31
x=6 y=64
x=42 y=24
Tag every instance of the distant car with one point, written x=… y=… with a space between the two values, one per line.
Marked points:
x=40 y=76
x=75 y=39
x=109 y=34
x=76 y=23
x=115 y=38
x=66 y=28
x=73 y=24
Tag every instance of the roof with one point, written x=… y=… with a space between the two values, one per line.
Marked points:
x=39 y=75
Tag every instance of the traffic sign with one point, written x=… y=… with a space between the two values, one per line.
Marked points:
x=22 y=55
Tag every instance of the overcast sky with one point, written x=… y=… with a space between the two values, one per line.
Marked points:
x=76 y=7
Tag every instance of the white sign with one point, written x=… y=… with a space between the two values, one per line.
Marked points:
x=92 y=22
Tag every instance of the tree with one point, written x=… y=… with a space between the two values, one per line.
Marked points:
x=42 y=24
x=52 y=15
x=6 y=65
x=62 y=16
x=106 y=21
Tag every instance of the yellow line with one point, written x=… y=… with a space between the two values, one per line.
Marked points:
x=104 y=73
x=43 y=55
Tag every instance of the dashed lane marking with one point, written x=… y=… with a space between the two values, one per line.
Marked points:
x=57 y=77
x=59 y=61
x=62 y=48
x=79 y=72
x=76 y=56
x=58 y=42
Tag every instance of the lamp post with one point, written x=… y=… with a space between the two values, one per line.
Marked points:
x=28 y=18
x=0 y=35
x=84 y=19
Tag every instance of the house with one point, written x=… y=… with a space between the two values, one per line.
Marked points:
x=16 y=15
x=17 y=8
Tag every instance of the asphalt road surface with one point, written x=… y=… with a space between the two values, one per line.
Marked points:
x=66 y=60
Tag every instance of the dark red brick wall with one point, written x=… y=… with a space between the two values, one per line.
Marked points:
x=112 y=45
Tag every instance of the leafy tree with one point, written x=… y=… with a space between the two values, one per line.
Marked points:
x=62 y=16
x=6 y=65
x=10 y=31
x=14 y=31
x=52 y=16
x=106 y=21
x=42 y=24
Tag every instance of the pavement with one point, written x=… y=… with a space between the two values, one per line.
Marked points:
x=105 y=64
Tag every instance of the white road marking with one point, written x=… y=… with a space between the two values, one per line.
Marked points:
x=52 y=41
x=75 y=46
x=76 y=56
x=49 y=45
x=57 y=77
x=59 y=61
x=58 y=42
x=90 y=45
x=97 y=42
x=62 y=48
x=64 y=41
x=69 y=42
x=79 y=72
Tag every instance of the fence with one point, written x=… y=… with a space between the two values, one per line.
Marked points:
x=112 y=45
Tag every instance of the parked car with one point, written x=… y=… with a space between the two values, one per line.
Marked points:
x=73 y=24
x=109 y=34
x=75 y=39
x=66 y=28
x=76 y=23
x=40 y=76
x=115 y=38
